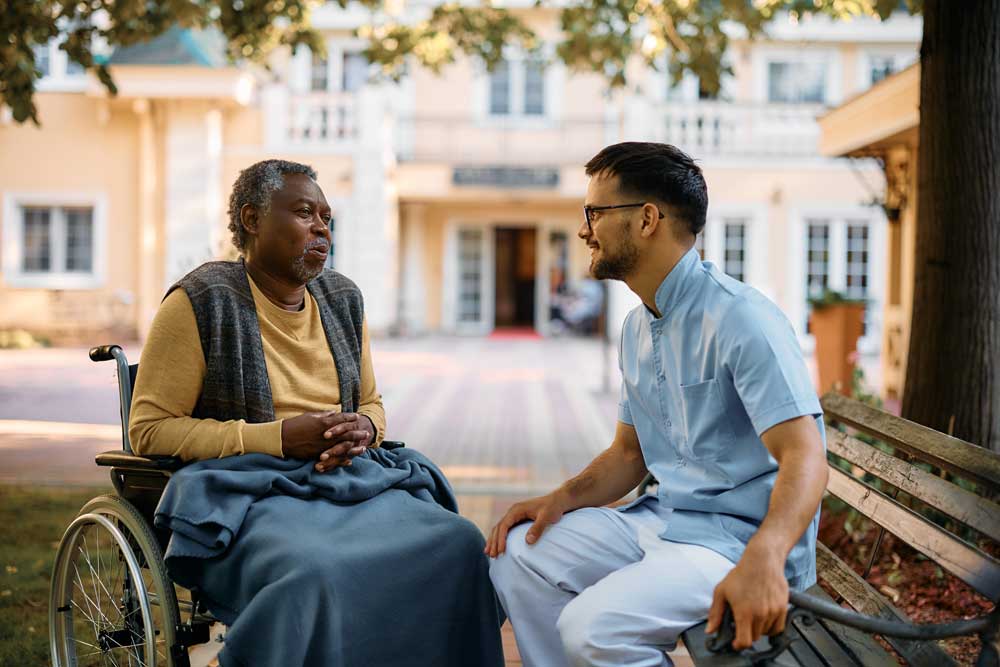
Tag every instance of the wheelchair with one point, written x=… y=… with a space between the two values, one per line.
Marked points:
x=111 y=601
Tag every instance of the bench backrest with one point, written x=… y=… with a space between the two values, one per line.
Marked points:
x=968 y=504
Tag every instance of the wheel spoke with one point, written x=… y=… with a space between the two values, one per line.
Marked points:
x=111 y=597
x=92 y=604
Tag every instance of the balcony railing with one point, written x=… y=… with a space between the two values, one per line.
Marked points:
x=729 y=129
x=322 y=118
x=703 y=129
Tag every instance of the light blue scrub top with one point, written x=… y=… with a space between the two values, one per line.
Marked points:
x=700 y=385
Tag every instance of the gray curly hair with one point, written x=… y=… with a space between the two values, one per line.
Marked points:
x=254 y=186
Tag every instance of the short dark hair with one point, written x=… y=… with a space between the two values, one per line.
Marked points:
x=254 y=186
x=659 y=171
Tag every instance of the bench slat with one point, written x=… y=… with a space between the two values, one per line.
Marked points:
x=958 y=503
x=864 y=647
x=969 y=564
x=863 y=598
x=957 y=456
x=824 y=644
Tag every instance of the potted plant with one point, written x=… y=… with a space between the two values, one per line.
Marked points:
x=836 y=323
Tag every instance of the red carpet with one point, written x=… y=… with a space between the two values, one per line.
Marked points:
x=515 y=333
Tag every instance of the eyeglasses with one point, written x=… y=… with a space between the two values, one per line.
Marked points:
x=589 y=210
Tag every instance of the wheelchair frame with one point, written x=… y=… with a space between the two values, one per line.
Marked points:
x=127 y=516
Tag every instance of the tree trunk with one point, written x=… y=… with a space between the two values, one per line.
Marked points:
x=953 y=370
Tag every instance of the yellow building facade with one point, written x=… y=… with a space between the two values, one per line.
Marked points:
x=457 y=196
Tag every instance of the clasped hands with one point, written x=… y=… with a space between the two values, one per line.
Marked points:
x=332 y=439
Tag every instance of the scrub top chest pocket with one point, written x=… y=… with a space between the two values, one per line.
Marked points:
x=707 y=431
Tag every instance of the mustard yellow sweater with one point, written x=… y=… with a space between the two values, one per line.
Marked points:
x=300 y=368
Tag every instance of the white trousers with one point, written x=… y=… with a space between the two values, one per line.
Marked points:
x=600 y=588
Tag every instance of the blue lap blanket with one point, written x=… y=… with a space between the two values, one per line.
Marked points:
x=368 y=565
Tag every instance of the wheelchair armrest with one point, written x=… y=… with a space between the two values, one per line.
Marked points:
x=392 y=444
x=119 y=459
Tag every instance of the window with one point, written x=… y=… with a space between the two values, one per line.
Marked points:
x=73 y=68
x=42 y=60
x=534 y=88
x=470 y=275
x=857 y=260
x=319 y=73
x=851 y=262
x=817 y=260
x=354 y=71
x=734 y=252
x=500 y=89
x=37 y=254
x=517 y=88
x=796 y=82
x=880 y=67
x=333 y=242
x=51 y=245
x=857 y=264
x=79 y=239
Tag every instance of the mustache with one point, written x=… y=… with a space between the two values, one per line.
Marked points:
x=317 y=243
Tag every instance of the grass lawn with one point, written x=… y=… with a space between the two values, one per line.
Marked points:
x=32 y=520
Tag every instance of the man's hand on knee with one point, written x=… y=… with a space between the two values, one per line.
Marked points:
x=543 y=511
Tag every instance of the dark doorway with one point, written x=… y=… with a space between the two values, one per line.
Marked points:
x=515 y=277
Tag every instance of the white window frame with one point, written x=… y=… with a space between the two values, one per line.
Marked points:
x=686 y=90
x=755 y=241
x=59 y=80
x=451 y=276
x=554 y=81
x=839 y=217
x=336 y=48
x=830 y=57
x=902 y=58
x=13 y=240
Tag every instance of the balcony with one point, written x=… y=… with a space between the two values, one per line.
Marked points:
x=725 y=129
x=317 y=121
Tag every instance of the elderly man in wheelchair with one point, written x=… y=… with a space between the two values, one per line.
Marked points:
x=286 y=515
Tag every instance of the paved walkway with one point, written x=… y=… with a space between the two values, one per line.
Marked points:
x=503 y=418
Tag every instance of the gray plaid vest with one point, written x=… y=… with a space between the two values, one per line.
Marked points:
x=236 y=384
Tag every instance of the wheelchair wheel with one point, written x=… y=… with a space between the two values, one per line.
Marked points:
x=111 y=602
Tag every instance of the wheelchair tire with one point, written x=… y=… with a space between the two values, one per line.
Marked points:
x=111 y=602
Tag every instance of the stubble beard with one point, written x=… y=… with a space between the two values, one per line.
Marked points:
x=618 y=266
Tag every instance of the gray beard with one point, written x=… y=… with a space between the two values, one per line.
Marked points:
x=303 y=272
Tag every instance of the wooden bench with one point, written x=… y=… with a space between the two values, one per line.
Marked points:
x=939 y=526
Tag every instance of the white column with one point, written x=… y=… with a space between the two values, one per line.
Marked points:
x=274 y=100
x=191 y=191
x=374 y=220
x=414 y=289
x=149 y=289
x=638 y=121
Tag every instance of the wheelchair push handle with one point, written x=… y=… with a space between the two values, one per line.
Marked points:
x=105 y=352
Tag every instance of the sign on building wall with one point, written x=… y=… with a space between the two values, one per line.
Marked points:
x=507 y=177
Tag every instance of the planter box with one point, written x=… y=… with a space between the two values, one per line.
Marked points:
x=836 y=328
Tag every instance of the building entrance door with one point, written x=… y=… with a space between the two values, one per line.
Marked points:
x=515 y=277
